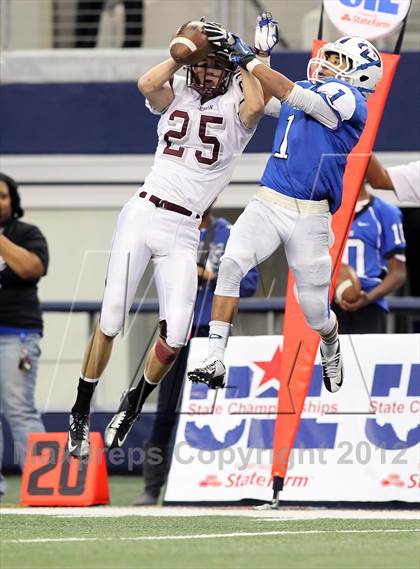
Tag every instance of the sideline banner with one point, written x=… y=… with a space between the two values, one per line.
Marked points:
x=367 y=18
x=360 y=444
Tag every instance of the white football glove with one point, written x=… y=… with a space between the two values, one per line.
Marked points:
x=266 y=34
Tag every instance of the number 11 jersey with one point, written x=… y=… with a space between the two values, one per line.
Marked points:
x=198 y=146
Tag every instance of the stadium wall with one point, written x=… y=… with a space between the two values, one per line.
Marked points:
x=99 y=117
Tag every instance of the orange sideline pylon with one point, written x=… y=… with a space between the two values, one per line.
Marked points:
x=300 y=341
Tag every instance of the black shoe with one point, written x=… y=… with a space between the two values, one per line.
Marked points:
x=78 y=441
x=332 y=370
x=122 y=422
x=146 y=499
x=212 y=372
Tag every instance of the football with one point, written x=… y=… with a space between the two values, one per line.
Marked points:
x=190 y=44
x=348 y=284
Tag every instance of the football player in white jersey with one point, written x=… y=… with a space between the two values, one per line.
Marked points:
x=206 y=121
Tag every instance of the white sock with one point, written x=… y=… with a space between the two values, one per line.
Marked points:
x=329 y=340
x=329 y=349
x=218 y=338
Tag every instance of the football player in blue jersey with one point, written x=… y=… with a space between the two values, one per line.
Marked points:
x=376 y=251
x=319 y=122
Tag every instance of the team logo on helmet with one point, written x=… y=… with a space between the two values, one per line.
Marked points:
x=359 y=63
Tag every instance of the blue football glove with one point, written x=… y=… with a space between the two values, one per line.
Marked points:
x=266 y=34
x=240 y=52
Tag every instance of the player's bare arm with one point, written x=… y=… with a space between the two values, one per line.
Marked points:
x=154 y=84
x=393 y=281
x=274 y=84
x=280 y=87
x=252 y=108
x=377 y=175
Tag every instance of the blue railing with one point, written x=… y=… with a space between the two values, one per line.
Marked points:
x=397 y=304
x=270 y=306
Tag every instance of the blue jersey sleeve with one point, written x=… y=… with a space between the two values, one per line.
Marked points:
x=347 y=102
x=392 y=237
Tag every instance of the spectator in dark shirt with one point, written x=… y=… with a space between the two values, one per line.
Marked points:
x=214 y=233
x=23 y=261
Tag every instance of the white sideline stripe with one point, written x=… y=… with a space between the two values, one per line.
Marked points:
x=284 y=514
x=206 y=536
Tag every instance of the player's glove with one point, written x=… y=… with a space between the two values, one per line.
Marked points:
x=203 y=19
x=241 y=52
x=218 y=36
x=266 y=34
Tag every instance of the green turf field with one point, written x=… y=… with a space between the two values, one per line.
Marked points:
x=63 y=539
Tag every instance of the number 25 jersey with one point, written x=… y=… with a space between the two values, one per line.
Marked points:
x=197 y=147
x=308 y=158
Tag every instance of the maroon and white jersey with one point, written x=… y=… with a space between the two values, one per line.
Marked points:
x=198 y=145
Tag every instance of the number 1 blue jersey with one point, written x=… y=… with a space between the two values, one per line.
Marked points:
x=308 y=158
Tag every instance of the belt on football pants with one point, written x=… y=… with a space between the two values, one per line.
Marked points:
x=164 y=204
x=294 y=204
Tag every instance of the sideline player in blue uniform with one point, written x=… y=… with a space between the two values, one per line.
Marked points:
x=319 y=122
x=376 y=251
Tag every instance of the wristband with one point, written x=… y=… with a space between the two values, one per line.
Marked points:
x=251 y=65
x=265 y=59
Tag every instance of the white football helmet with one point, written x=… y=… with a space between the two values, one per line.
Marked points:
x=360 y=63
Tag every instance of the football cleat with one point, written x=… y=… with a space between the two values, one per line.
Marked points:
x=78 y=440
x=212 y=373
x=122 y=422
x=332 y=370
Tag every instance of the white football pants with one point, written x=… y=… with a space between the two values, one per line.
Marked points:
x=260 y=230
x=169 y=239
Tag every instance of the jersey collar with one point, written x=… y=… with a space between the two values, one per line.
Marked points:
x=365 y=208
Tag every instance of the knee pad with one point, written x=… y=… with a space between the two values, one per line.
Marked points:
x=314 y=303
x=110 y=327
x=164 y=354
x=229 y=278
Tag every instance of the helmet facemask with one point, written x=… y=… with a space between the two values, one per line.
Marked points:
x=208 y=89
x=342 y=70
x=359 y=63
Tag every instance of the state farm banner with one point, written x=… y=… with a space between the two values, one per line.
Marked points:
x=369 y=19
x=360 y=444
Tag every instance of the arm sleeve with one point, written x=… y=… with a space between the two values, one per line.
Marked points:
x=330 y=105
x=273 y=107
x=177 y=83
x=406 y=181
x=249 y=283
x=35 y=242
